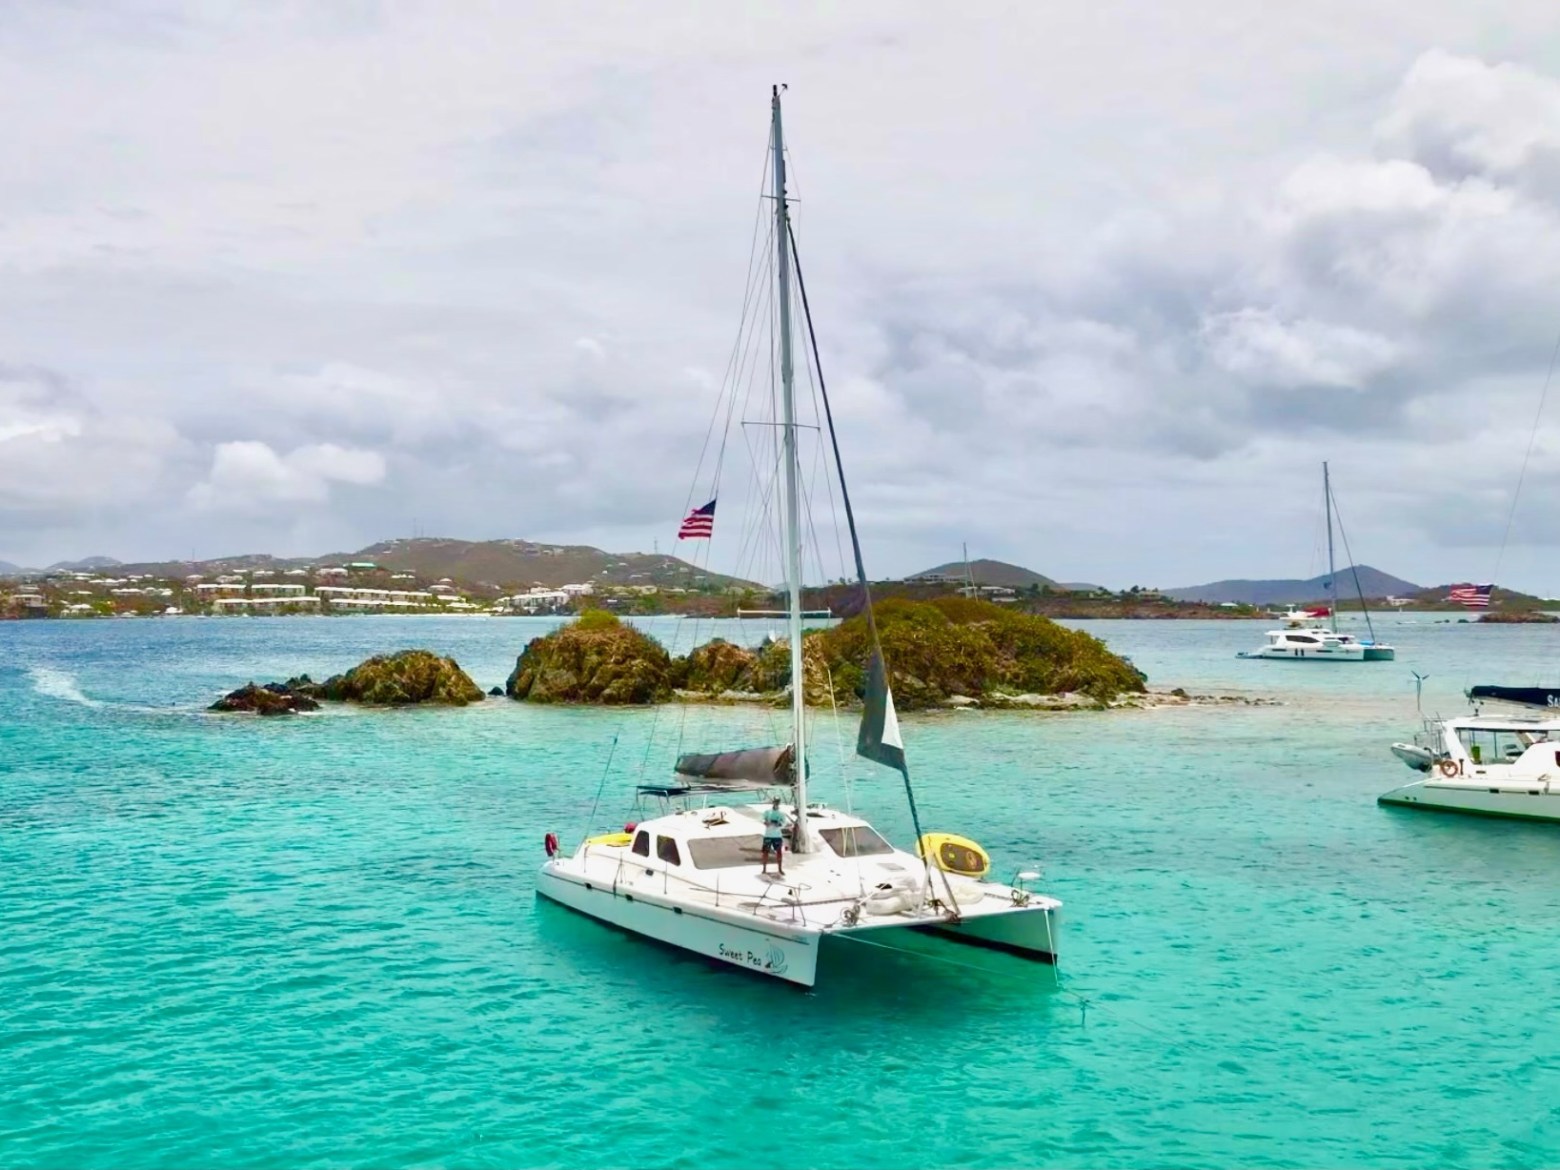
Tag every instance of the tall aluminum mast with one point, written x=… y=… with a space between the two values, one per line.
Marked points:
x=793 y=524
x=1332 y=573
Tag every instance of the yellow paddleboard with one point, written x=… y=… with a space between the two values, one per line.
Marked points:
x=610 y=839
x=954 y=854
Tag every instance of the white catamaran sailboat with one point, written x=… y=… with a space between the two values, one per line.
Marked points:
x=1306 y=638
x=694 y=876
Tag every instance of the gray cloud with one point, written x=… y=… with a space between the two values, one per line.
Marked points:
x=1091 y=295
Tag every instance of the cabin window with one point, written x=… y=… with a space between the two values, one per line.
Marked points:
x=666 y=850
x=1497 y=745
x=1309 y=641
x=642 y=843
x=726 y=852
x=858 y=841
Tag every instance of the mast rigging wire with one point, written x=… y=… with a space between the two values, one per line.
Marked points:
x=861 y=568
x=1511 y=513
x=1354 y=568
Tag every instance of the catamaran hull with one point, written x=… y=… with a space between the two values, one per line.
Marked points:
x=779 y=951
x=1380 y=654
x=1309 y=654
x=791 y=955
x=1538 y=803
x=1027 y=934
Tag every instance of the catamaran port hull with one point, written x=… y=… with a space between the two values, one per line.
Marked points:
x=1380 y=654
x=1536 y=803
x=727 y=936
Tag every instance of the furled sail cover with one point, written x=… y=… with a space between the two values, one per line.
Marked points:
x=766 y=765
x=1531 y=696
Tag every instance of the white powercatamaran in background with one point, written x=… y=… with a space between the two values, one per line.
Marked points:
x=1306 y=637
x=693 y=876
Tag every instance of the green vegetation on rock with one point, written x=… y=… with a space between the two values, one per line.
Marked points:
x=386 y=680
x=959 y=646
x=936 y=650
x=401 y=679
x=271 y=699
x=596 y=659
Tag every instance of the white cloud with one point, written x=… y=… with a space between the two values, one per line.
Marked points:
x=1262 y=350
x=248 y=476
x=1462 y=116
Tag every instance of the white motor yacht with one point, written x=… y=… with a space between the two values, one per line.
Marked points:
x=696 y=876
x=1486 y=765
x=1311 y=644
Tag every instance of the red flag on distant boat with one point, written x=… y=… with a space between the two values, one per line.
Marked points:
x=1319 y=611
x=1471 y=596
x=699 y=524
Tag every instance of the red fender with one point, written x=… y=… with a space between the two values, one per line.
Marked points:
x=550 y=843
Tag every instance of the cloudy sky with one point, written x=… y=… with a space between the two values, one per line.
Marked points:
x=1099 y=286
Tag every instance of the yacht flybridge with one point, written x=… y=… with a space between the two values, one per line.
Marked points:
x=694 y=874
x=1306 y=637
x=1487 y=765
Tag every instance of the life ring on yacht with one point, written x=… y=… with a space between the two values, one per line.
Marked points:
x=1447 y=768
x=550 y=843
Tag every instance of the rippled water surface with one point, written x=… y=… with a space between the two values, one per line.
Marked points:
x=242 y=942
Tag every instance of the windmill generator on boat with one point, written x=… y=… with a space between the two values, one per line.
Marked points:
x=696 y=875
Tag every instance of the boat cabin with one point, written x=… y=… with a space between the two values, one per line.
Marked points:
x=1315 y=639
x=1490 y=741
x=731 y=836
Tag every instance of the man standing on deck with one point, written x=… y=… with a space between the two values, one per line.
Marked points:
x=774 y=837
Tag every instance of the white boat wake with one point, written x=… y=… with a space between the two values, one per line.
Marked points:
x=59 y=684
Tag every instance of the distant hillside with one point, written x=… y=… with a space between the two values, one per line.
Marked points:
x=501 y=563
x=85 y=565
x=525 y=562
x=990 y=573
x=1373 y=582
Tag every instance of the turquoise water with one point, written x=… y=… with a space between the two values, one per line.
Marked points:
x=236 y=942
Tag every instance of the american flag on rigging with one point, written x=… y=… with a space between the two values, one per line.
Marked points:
x=699 y=523
x=1472 y=596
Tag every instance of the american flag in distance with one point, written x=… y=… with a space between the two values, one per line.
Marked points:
x=1472 y=596
x=699 y=523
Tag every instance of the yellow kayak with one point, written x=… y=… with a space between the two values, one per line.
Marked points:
x=954 y=854
x=618 y=839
